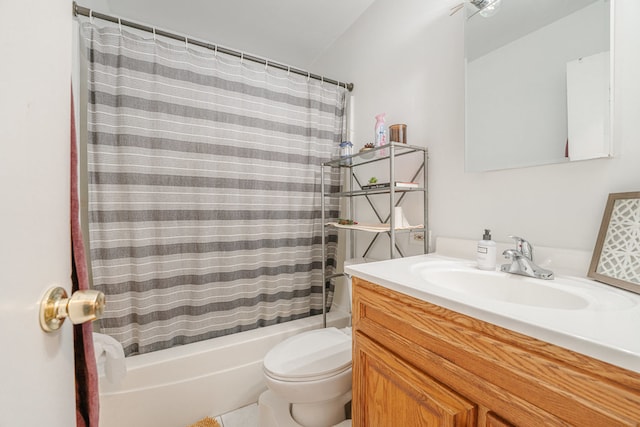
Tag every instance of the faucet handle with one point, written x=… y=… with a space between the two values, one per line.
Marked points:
x=518 y=240
x=512 y=254
x=524 y=247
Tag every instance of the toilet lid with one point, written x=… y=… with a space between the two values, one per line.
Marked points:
x=310 y=355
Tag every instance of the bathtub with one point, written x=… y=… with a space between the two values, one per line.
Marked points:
x=178 y=386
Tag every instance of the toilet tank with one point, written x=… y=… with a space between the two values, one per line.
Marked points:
x=342 y=293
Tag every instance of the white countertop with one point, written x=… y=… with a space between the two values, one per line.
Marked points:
x=608 y=334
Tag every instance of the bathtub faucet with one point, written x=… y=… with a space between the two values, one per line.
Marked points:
x=522 y=261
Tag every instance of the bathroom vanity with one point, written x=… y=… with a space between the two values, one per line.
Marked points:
x=425 y=356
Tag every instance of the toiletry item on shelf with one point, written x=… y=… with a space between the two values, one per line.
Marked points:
x=381 y=133
x=486 y=253
x=398 y=133
x=346 y=150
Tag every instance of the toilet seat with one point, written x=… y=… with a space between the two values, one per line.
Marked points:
x=310 y=356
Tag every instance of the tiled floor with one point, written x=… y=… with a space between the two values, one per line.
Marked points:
x=243 y=417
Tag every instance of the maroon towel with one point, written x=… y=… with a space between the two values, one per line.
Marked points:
x=87 y=397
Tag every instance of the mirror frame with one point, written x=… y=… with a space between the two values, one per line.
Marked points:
x=620 y=224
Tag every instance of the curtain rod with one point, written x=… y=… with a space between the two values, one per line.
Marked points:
x=84 y=11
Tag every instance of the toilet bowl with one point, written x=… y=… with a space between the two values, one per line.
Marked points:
x=309 y=376
x=309 y=380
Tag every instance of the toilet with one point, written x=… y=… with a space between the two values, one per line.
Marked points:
x=309 y=380
x=309 y=377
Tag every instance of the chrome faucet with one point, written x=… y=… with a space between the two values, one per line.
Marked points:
x=522 y=261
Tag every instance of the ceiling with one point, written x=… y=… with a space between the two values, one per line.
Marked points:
x=292 y=32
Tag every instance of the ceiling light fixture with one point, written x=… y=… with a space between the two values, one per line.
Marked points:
x=486 y=8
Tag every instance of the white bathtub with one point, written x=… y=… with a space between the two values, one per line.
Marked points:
x=178 y=386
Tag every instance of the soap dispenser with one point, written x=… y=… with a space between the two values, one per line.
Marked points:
x=486 y=254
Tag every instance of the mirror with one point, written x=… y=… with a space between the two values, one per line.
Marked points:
x=537 y=83
x=616 y=257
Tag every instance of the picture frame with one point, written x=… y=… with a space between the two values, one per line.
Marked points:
x=616 y=256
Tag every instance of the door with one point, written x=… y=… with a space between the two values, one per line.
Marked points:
x=36 y=369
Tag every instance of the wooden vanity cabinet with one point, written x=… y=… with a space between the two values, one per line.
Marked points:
x=418 y=364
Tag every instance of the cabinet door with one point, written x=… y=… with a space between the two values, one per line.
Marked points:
x=391 y=393
x=492 y=420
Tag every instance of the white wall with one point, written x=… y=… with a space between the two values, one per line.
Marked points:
x=405 y=57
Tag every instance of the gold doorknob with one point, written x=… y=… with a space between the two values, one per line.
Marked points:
x=83 y=306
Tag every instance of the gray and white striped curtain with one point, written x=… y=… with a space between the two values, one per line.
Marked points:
x=204 y=190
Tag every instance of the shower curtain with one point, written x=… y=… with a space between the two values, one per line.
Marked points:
x=204 y=190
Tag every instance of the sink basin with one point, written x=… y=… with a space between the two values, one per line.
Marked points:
x=561 y=293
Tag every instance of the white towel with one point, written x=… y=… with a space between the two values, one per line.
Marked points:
x=399 y=219
x=109 y=358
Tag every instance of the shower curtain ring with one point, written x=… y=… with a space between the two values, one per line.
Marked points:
x=266 y=64
x=308 y=76
x=120 y=25
x=215 y=52
x=90 y=16
x=186 y=42
x=288 y=70
x=241 y=58
x=154 y=33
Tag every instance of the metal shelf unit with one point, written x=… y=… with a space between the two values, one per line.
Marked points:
x=396 y=196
